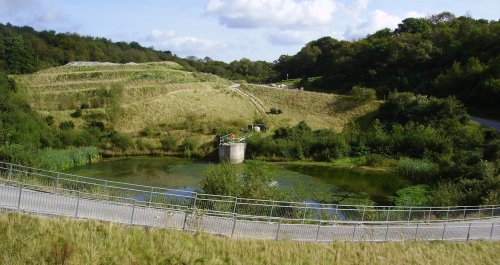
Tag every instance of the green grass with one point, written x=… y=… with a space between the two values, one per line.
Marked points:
x=166 y=100
x=319 y=110
x=40 y=240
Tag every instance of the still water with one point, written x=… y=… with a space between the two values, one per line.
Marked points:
x=319 y=183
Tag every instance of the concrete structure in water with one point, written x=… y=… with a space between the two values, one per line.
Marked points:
x=234 y=153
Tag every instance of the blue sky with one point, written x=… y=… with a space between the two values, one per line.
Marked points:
x=230 y=29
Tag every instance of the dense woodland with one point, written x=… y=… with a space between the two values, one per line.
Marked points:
x=441 y=55
x=430 y=70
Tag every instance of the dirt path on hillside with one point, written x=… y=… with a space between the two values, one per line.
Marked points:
x=256 y=102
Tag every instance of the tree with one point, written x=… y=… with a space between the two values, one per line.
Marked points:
x=17 y=58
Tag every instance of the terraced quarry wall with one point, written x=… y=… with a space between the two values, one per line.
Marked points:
x=161 y=98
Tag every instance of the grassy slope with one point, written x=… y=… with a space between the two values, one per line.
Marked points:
x=36 y=240
x=165 y=98
x=320 y=110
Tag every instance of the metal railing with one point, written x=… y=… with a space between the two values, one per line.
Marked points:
x=228 y=139
x=268 y=210
x=37 y=199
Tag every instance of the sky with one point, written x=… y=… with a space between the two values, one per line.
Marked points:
x=229 y=30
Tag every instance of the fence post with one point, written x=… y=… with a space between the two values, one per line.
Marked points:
x=185 y=220
x=430 y=211
x=317 y=231
x=195 y=198
x=77 y=204
x=386 y=231
x=409 y=215
x=354 y=232
x=492 y=211
x=271 y=213
x=57 y=180
x=388 y=212
x=416 y=232
x=465 y=208
x=278 y=231
x=234 y=224
x=133 y=210
x=151 y=196
x=19 y=198
x=106 y=187
x=304 y=215
x=363 y=215
x=235 y=204
x=444 y=230
x=448 y=214
x=468 y=233
x=10 y=172
x=491 y=232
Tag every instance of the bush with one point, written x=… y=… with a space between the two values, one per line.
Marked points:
x=221 y=179
x=418 y=195
x=417 y=170
x=258 y=180
x=84 y=105
x=376 y=160
x=188 y=146
x=169 y=143
x=363 y=94
x=20 y=154
x=77 y=113
x=50 y=120
x=276 y=111
x=121 y=141
x=66 y=125
x=447 y=194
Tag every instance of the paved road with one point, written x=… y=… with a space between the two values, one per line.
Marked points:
x=131 y=213
x=489 y=123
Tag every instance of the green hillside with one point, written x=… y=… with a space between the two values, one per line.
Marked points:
x=152 y=100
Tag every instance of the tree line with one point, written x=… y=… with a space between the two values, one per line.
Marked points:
x=440 y=55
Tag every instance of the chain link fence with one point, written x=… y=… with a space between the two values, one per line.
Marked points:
x=287 y=213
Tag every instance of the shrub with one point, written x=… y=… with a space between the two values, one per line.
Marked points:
x=446 y=194
x=147 y=131
x=376 y=160
x=188 y=146
x=417 y=170
x=258 y=180
x=50 y=120
x=169 y=143
x=20 y=154
x=84 y=105
x=77 y=113
x=276 y=111
x=363 y=94
x=418 y=195
x=221 y=179
x=121 y=141
x=66 y=125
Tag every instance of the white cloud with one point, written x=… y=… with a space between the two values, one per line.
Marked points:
x=272 y=13
x=290 y=37
x=184 y=45
x=34 y=13
x=377 y=20
x=52 y=15
x=415 y=14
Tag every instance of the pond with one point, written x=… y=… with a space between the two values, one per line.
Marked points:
x=318 y=183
